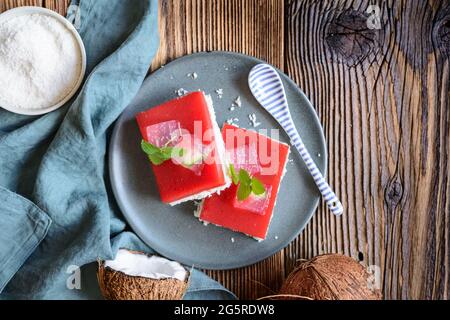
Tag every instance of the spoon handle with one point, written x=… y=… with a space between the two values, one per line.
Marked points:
x=329 y=196
x=267 y=87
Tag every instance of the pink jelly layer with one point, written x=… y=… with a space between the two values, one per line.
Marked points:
x=174 y=181
x=221 y=209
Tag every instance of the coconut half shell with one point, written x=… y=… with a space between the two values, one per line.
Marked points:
x=330 y=277
x=116 y=285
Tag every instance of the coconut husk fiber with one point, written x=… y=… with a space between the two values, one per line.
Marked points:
x=330 y=277
x=116 y=285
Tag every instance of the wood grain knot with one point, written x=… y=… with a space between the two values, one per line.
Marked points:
x=360 y=256
x=442 y=35
x=393 y=193
x=349 y=39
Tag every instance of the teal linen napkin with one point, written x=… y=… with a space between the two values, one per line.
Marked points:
x=56 y=209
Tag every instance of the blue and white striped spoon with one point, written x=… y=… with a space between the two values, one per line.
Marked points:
x=267 y=87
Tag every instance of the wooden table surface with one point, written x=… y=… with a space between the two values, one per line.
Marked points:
x=382 y=95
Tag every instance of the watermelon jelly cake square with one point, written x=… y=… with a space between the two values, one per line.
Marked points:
x=185 y=147
x=257 y=166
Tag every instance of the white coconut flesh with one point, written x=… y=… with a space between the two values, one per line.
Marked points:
x=141 y=265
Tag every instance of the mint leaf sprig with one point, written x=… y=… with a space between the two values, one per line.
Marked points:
x=159 y=155
x=247 y=184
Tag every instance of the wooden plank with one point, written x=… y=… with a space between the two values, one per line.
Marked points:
x=9 y=4
x=253 y=27
x=59 y=6
x=383 y=97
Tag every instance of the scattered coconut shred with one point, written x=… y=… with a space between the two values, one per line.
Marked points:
x=219 y=93
x=40 y=62
x=192 y=75
x=253 y=122
x=181 y=92
x=141 y=265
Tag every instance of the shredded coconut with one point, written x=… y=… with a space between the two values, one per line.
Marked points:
x=253 y=122
x=219 y=93
x=192 y=75
x=40 y=62
x=237 y=102
x=232 y=121
x=181 y=92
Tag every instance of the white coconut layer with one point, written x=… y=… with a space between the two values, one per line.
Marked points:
x=141 y=265
x=220 y=145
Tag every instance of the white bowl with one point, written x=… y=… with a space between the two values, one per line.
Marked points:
x=33 y=10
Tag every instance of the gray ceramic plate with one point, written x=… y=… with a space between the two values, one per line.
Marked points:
x=174 y=231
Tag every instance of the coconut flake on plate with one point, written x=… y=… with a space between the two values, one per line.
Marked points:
x=237 y=102
x=181 y=92
x=253 y=122
x=232 y=121
x=192 y=75
x=219 y=93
